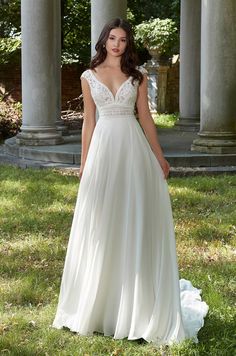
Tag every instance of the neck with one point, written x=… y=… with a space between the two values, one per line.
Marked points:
x=112 y=61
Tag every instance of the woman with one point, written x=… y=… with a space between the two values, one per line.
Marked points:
x=120 y=276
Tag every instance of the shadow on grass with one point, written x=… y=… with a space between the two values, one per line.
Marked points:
x=43 y=222
x=215 y=279
x=7 y=348
x=203 y=208
x=35 y=235
x=36 y=201
x=216 y=338
x=33 y=277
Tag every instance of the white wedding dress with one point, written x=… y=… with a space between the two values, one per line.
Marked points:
x=120 y=275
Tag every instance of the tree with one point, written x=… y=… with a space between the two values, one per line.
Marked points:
x=76 y=27
x=10 y=31
x=76 y=31
x=9 y=18
x=141 y=10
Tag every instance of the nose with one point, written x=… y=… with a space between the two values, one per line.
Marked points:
x=117 y=43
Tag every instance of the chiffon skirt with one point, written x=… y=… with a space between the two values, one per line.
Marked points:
x=120 y=275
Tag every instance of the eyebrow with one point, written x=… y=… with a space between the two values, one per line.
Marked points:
x=117 y=36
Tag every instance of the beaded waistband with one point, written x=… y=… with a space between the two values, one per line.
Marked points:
x=116 y=111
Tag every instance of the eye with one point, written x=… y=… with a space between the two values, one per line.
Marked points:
x=111 y=38
x=123 y=40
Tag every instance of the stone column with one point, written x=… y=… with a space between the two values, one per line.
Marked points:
x=218 y=72
x=57 y=15
x=151 y=67
x=103 y=11
x=189 y=94
x=40 y=72
x=162 y=86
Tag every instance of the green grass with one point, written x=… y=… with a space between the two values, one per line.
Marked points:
x=36 y=211
x=165 y=120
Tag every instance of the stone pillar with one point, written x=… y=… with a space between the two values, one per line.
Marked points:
x=162 y=86
x=157 y=81
x=103 y=11
x=59 y=122
x=218 y=72
x=151 y=67
x=40 y=72
x=189 y=94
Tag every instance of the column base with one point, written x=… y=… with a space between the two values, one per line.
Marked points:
x=217 y=142
x=188 y=124
x=61 y=127
x=39 y=136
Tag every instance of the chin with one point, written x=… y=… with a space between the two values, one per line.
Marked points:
x=114 y=54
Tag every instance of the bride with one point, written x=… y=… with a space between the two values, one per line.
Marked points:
x=120 y=276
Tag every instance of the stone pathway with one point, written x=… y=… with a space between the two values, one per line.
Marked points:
x=176 y=146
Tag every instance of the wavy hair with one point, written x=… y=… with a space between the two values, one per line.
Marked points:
x=129 y=59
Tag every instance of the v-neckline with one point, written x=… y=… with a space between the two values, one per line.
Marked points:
x=105 y=86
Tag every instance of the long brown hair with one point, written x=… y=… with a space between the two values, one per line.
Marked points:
x=129 y=59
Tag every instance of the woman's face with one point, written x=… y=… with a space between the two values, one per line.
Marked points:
x=116 y=42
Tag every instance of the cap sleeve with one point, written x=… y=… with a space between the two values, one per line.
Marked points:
x=85 y=75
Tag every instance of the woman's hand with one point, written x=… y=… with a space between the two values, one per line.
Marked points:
x=165 y=166
x=81 y=168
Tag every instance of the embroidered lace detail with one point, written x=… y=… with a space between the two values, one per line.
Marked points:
x=102 y=96
x=127 y=93
x=88 y=76
x=97 y=88
x=114 y=111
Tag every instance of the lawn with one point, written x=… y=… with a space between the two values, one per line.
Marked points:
x=165 y=120
x=35 y=217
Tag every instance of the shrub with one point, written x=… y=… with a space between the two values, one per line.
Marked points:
x=10 y=49
x=157 y=34
x=10 y=118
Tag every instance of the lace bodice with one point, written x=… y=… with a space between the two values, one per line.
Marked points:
x=107 y=104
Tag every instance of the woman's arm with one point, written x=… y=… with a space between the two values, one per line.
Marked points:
x=89 y=122
x=147 y=123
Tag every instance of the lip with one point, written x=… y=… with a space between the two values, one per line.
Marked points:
x=116 y=50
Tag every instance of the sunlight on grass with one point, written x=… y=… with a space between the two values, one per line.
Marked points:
x=165 y=120
x=35 y=217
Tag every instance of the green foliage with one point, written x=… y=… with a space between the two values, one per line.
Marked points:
x=10 y=118
x=76 y=31
x=157 y=34
x=10 y=50
x=76 y=24
x=141 y=10
x=166 y=120
x=10 y=42
x=9 y=18
x=33 y=242
x=76 y=27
